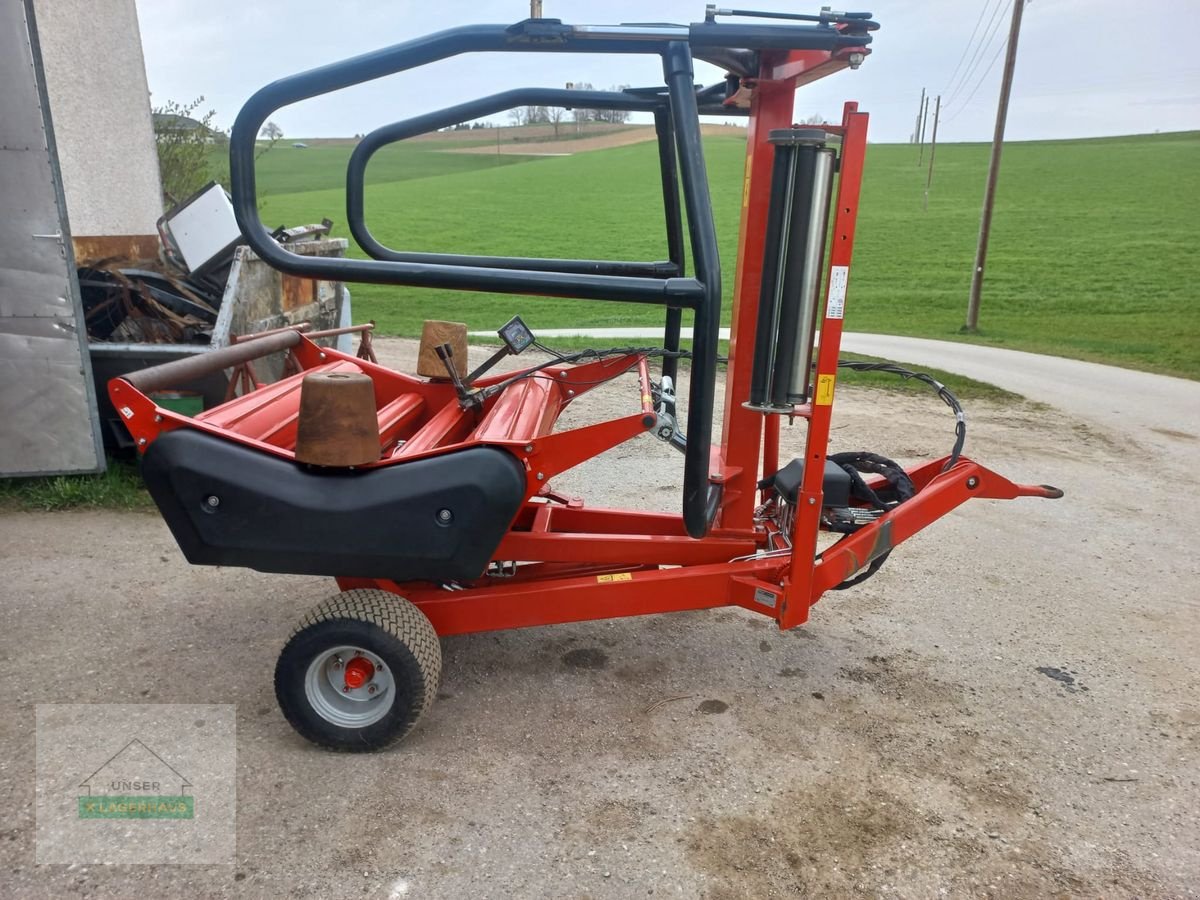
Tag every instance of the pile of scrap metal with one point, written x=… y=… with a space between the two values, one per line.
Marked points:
x=176 y=297
x=140 y=306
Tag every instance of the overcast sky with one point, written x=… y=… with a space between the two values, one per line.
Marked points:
x=1085 y=67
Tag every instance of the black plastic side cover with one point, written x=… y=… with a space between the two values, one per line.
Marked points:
x=230 y=505
x=835 y=486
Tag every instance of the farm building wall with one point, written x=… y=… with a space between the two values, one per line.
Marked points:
x=100 y=106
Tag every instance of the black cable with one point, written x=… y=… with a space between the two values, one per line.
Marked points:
x=589 y=354
x=550 y=350
x=960 y=418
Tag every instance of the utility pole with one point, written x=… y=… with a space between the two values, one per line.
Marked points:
x=989 y=192
x=937 y=111
x=920 y=106
x=921 y=137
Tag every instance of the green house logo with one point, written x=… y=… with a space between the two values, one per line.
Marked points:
x=136 y=783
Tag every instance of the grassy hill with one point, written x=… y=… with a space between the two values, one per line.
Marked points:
x=1091 y=252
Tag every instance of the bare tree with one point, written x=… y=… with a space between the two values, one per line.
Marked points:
x=271 y=132
x=518 y=115
x=556 y=114
x=583 y=115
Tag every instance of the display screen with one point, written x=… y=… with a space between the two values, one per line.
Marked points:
x=516 y=335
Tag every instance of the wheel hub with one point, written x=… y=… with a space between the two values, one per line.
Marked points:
x=359 y=671
x=349 y=686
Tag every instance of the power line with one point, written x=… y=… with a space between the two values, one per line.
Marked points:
x=980 y=53
x=982 y=79
x=970 y=41
x=993 y=28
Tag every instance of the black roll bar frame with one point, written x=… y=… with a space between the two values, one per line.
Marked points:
x=701 y=293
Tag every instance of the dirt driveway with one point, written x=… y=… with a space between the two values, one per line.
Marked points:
x=1008 y=709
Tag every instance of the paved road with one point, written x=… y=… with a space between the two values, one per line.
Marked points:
x=1157 y=410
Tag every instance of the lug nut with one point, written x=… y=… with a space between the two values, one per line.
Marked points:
x=213 y=500
x=371 y=689
x=445 y=516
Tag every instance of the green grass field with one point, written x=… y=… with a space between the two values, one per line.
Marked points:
x=1090 y=254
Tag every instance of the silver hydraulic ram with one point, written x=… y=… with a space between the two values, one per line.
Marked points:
x=794 y=249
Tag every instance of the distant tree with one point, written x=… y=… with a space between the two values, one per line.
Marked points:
x=556 y=114
x=271 y=132
x=612 y=116
x=581 y=116
x=519 y=115
x=814 y=119
x=615 y=116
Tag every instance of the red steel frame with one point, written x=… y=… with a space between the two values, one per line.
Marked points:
x=598 y=563
x=581 y=563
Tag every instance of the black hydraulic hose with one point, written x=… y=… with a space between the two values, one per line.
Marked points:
x=960 y=417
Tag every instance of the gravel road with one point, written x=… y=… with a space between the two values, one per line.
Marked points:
x=1009 y=708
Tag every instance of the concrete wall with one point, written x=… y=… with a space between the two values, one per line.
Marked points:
x=100 y=105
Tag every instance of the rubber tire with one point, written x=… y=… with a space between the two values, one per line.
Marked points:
x=383 y=623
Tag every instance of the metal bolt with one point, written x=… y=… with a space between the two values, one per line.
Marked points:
x=812 y=501
x=213 y=501
x=972 y=482
x=141 y=442
x=444 y=515
x=322 y=356
x=562 y=374
x=346 y=689
x=371 y=689
x=570 y=393
x=540 y=476
x=337 y=663
x=529 y=448
x=158 y=418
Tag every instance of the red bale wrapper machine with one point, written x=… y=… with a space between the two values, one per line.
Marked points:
x=447 y=523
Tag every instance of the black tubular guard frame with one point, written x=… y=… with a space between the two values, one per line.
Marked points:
x=464 y=112
x=702 y=293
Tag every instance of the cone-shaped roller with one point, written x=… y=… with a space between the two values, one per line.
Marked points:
x=338 y=425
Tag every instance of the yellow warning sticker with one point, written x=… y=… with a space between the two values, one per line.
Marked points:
x=824 y=395
x=619 y=576
x=746 y=184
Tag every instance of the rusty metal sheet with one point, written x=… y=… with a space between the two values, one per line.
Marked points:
x=48 y=419
x=91 y=249
x=298 y=292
